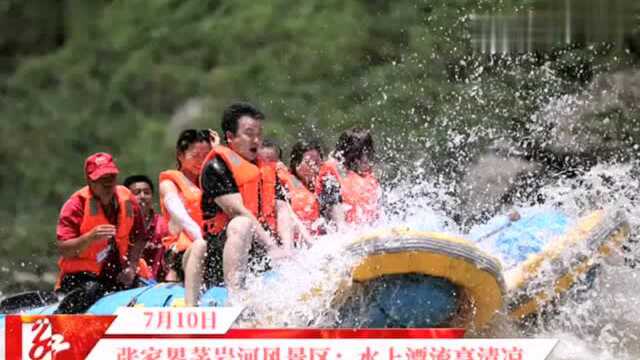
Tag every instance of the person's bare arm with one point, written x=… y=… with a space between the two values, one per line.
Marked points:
x=286 y=224
x=293 y=226
x=177 y=211
x=135 y=251
x=337 y=214
x=131 y=265
x=137 y=241
x=214 y=138
x=73 y=247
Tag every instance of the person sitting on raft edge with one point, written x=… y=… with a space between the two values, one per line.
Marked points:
x=180 y=202
x=347 y=189
x=100 y=236
x=245 y=215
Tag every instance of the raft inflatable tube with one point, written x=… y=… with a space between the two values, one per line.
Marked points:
x=570 y=259
x=155 y=295
x=407 y=278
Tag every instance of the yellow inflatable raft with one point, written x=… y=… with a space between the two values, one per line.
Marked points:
x=420 y=276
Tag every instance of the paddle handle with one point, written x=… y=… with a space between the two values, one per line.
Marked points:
x=513 y=216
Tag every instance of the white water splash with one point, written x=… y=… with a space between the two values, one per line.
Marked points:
x=603 y=324
x=606 y=323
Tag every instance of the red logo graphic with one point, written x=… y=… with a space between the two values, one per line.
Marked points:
x=43 y=343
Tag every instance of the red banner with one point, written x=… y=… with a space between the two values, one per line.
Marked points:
x=64 y=337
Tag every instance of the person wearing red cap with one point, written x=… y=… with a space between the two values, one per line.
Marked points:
x=100 y=236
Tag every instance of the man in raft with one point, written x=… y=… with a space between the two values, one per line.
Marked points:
x=347 y=189
x=245 y=216
x=100 y=236
x=155 y=227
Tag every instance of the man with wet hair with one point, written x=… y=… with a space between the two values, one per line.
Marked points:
x=245 y=216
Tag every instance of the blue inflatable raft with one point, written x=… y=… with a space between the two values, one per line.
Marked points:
x=547 y=254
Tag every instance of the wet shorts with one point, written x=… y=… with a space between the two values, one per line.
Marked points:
x=214 y=274
x=258 y=261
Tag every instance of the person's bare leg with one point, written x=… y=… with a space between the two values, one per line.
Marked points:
x=172 y=276
x=285 y=225
x=339 y=215
x=194 y=272
x=236 y=251
x=290 y=228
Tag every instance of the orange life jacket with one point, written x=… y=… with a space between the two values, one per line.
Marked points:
x=90 y=260
x=303 y=202
x=191 y=197
x=256 y=186
x=361 y=193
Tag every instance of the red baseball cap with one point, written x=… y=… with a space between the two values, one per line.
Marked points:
x=98 y=165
